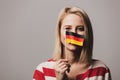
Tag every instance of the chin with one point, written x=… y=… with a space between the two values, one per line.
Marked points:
x=72 y=47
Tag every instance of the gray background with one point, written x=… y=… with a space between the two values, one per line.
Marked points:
x=27 y=34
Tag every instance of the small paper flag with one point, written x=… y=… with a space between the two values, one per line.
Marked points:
x=74 y=38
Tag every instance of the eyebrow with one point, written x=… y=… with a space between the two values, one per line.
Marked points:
x=71 y=26
x=80 y=26
x=67 y=26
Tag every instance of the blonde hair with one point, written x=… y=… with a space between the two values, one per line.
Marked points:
x=86 y=53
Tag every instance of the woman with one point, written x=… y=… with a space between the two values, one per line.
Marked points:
x=72 y=61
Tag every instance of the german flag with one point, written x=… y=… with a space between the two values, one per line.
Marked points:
x=74 y=38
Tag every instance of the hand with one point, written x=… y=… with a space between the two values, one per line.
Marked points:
x=60 y=68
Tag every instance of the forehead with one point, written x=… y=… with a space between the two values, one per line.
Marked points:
x=73 y=19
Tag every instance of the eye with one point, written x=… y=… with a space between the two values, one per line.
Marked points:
x=68 y=28
x=80 y=28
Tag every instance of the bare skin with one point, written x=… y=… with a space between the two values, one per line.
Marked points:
x=60 y=68
x=75 y=69
x=72 y=23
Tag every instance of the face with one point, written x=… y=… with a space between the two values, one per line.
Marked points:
x=72 y=23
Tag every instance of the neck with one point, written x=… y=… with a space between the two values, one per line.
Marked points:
x=72 y=56
x=69 y=55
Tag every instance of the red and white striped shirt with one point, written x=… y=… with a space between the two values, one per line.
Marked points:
x=97 y=71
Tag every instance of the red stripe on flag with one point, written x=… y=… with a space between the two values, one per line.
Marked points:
x=100 y=71
x=74 y=38
x=49 y=72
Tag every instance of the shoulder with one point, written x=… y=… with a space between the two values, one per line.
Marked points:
x=97 y=71
x=99 y=68
x=46 y=64
x=99 y=65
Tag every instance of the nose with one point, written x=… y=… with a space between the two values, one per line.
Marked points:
x=74 y=30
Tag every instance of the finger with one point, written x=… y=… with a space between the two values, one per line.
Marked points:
x=62 y=64
x=63 y=70
x=61 y=67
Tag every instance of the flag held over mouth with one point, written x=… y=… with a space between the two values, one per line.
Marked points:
x=74 y=38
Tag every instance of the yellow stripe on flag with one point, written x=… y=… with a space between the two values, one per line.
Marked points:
x=74 y=42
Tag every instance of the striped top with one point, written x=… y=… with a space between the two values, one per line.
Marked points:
x=97 y=71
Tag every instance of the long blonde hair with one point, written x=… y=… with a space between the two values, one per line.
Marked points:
x=86 y=53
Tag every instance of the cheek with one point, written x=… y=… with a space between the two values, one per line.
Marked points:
x=81 y=33
x=62 y=38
